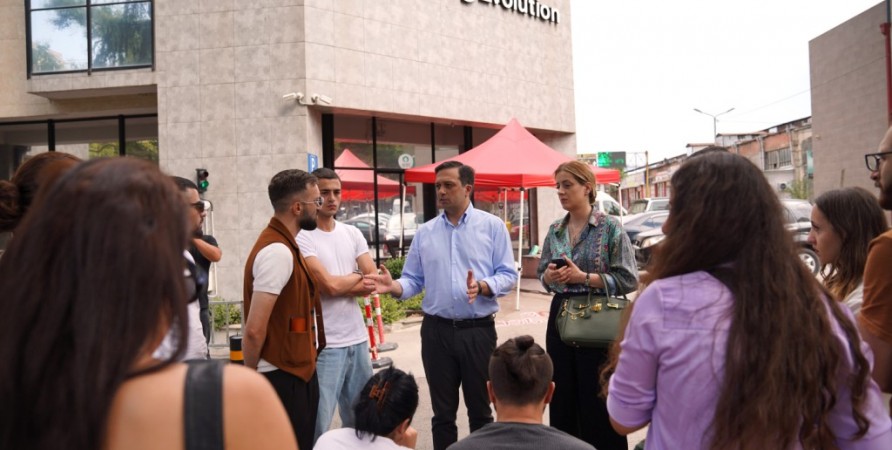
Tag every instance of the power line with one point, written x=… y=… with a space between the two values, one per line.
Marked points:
x=845 y=74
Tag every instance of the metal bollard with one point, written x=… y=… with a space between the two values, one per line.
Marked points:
x=235 y=350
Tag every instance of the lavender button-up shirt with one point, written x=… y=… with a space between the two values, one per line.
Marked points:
x=671 y=366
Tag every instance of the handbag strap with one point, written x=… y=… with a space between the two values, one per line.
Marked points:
x=203 y=405
x=607 y=286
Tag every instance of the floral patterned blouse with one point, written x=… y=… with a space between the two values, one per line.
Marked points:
x=603 y=247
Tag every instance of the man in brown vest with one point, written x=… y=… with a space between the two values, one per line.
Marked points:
x=282 y=303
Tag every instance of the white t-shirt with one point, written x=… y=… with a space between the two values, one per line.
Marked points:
x=338 y=250
x=196 y=346
x=345 y=439
x=272 y=270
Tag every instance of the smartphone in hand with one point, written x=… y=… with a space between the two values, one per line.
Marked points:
x=559 y=262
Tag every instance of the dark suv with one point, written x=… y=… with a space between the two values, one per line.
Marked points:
x=798 y=222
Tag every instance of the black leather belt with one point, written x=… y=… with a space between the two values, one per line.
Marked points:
x=463 y=323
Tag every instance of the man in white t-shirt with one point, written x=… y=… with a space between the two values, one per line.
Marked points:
x=333 y=252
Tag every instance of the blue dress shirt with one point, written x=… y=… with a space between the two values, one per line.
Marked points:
x=441 y=255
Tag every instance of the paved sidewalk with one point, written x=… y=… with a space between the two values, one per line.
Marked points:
x=530 y=319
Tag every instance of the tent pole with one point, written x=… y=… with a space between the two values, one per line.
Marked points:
x=402 y=208
x=504 y=205
x=519 y=251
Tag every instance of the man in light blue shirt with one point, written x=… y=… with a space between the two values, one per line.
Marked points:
x=462 y=259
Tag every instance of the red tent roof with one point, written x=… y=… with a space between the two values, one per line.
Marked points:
x=511 y=158
x=359 y=184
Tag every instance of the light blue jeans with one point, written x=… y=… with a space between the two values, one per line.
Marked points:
x=342 y=373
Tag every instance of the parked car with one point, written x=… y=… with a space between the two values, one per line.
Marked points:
x=644 y=222
x=409 y=225
x=368 y=229
x=798 y=222
x=382 y=218
x=646 y=205
x=608 y=205
x=389 y=239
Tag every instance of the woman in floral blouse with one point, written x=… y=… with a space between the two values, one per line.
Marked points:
x=598 y=255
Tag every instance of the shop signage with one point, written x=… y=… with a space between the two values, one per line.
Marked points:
x=532 y=8
x=406 y=161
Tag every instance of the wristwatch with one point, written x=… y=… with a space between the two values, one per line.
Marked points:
x=359 y=272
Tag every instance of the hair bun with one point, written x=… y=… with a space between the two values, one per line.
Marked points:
x=524 y=342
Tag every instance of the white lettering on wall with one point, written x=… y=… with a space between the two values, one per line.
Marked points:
x=532 y=8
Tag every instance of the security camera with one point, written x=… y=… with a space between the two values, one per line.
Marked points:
x=296 y=96
x=321 y=98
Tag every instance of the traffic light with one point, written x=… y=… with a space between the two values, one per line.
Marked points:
x=201 y=176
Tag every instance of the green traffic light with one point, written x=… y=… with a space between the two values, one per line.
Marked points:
x=204 y=185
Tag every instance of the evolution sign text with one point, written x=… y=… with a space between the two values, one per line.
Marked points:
x=530 y=8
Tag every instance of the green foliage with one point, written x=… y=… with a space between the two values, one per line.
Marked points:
x=413 y=303
x=146 y=149
x=395 y=266
x=44 y=59
x=799 y=189
x=393 y=310
x=225 y=314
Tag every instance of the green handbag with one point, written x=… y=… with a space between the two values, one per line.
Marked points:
x=590 y=321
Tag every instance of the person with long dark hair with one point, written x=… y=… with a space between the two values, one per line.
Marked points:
x=734 y=344
x=382 y=415
x=595 y=253
x=91 y=284
x=843 y=222
x=17 y=194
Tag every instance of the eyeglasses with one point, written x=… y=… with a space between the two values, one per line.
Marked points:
x=318 y=201
x=199 y=206
x=872 y=160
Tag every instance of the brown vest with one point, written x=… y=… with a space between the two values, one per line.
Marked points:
x=290 y=334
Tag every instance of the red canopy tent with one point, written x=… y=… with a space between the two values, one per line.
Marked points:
x=359 y=184
x=512 y=158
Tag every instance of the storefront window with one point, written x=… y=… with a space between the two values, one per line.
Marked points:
x=84 y=138
x=77 y=35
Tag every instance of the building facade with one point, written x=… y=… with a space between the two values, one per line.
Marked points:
x=848 y=99
x=246 y=89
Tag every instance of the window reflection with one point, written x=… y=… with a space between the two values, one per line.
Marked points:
x=120 y=34
x=58 y=40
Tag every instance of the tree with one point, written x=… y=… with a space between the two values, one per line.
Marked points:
x=122 y=33
x=45 y=60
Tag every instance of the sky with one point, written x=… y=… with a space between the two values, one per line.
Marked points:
x=641 y=67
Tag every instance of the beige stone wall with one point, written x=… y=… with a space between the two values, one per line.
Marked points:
x=848 y=97
x=447 y=59
x=223 y=67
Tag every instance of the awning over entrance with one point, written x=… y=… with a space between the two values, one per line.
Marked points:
x=513 y=157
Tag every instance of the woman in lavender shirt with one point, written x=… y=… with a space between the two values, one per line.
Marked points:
x=734 y=344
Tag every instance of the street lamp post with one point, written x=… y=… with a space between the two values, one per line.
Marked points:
x=714 y=120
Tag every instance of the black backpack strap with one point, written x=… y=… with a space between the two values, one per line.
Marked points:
x=203 y=405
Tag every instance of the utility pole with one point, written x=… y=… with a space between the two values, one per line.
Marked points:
x=646 y=175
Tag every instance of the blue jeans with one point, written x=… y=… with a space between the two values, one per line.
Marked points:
x=342 y=373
